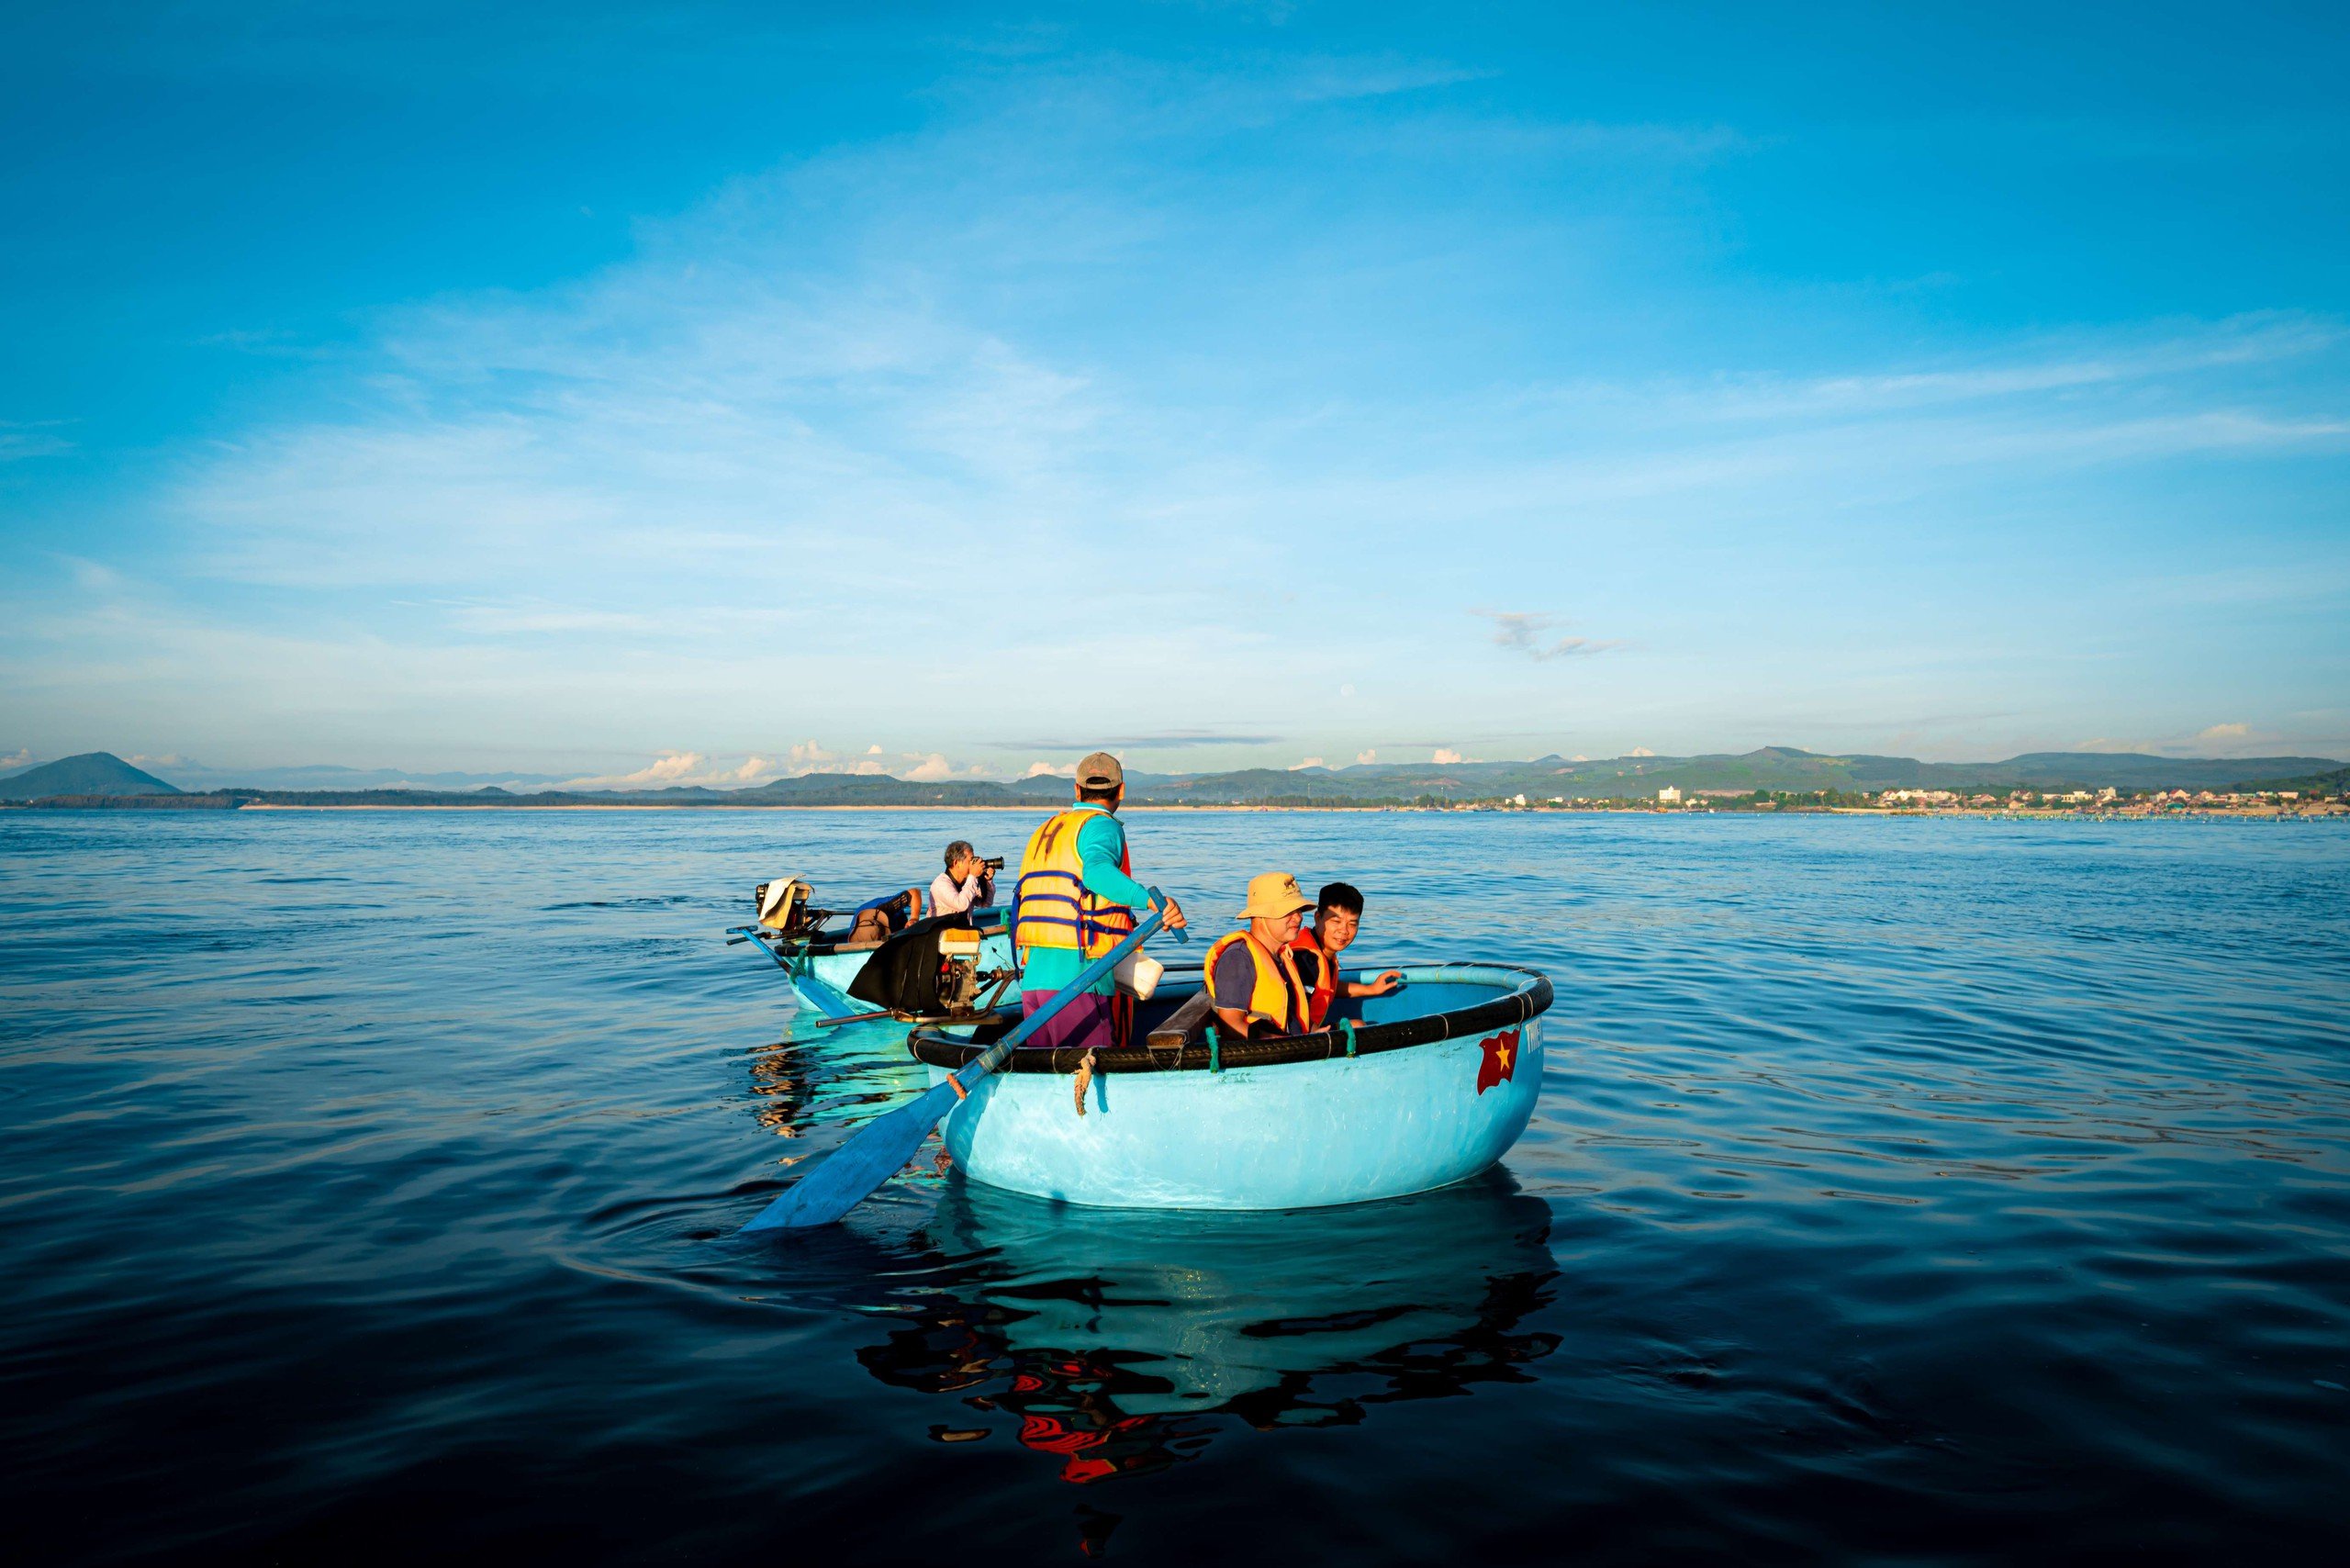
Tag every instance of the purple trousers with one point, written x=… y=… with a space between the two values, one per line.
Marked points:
x=1087 y=1023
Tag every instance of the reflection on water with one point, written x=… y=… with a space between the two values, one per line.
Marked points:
x=846 y=1074
x=1121 y=1342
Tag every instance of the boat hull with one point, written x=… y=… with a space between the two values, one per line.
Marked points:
x=821 y=976
x=1293 y=1134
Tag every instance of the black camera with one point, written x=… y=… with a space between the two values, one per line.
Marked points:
x=992 y=863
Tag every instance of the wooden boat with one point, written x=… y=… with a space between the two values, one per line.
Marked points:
x=1402 y=1093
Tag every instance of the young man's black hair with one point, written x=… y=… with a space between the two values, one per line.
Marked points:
x=1341 y=895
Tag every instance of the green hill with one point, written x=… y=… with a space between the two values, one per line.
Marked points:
x=92 y=773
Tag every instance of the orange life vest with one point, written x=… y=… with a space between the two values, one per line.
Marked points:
x=1050 y=907
x=1326 y=978
x=1277 y=993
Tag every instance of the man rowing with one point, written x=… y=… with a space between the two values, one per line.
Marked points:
x=1076 y=900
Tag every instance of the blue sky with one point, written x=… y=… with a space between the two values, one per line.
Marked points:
x=719 y=392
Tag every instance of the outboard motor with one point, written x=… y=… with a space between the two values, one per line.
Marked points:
x=783 y=906
x=931 y=969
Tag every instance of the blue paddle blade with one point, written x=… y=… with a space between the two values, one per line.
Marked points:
x=846 y=1177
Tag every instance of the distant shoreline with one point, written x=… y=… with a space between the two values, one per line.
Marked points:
x=2317 y=810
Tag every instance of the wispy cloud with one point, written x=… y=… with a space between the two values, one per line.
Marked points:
x=507 y=619
x=1527 y=634
x=38 y=438
x=807 y=455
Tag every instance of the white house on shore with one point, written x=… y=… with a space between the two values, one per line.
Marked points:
x=1668 y=796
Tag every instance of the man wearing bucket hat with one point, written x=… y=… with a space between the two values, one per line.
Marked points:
x=1075 y=901
x=1252 y=980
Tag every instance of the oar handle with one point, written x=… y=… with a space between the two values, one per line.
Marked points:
x=1158 y=903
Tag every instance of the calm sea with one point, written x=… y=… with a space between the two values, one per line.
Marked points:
x=1902 y=1191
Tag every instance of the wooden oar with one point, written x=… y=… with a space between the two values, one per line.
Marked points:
x=879 y=1149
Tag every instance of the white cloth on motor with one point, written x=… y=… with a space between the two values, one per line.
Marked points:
x=777 y=900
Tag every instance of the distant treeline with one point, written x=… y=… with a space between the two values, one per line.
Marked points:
x=101 y=779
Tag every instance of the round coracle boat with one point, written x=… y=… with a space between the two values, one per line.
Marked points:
x=1402 y=1093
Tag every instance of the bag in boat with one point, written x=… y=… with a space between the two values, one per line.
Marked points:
x=911 y=971
x=1137 y=974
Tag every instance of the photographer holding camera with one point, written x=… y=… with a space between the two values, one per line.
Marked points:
x=969 y=882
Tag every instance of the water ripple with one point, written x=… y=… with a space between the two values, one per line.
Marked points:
x=1934 y=1192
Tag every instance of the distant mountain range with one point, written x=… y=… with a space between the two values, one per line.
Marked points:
x=101 y=775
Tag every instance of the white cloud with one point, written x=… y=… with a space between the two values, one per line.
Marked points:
x=675 y=769
x=1639 y=751
x=1309 y=762
x=874 y=750
x=2231 y=739
x=930 y=770
x=810 y=757
x=1050 y=770
x=1446 y=756
x=1366 y=756
x=23 y=757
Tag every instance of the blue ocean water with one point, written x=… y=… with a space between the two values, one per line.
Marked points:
x=1902 y=1191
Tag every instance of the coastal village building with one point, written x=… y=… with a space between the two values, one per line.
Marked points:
x=1668 y=796
x=1918 y=797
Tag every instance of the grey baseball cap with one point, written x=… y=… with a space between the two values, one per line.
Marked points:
x=1100 y=770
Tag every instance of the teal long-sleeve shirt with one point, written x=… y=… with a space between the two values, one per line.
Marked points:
x=1101 y=845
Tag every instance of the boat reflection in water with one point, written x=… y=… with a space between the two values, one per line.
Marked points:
x=1123 y=1341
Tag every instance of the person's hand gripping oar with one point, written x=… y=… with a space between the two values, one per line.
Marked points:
x=880 y=1148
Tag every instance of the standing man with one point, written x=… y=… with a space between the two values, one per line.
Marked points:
x=1075 y=901
x=1338 y=915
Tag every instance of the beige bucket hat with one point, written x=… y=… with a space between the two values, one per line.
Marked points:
x=1273 y=895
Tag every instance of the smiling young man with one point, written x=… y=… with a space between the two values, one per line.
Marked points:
x=1337 y=916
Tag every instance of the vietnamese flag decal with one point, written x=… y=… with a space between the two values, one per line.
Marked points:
x=1501 y=1060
